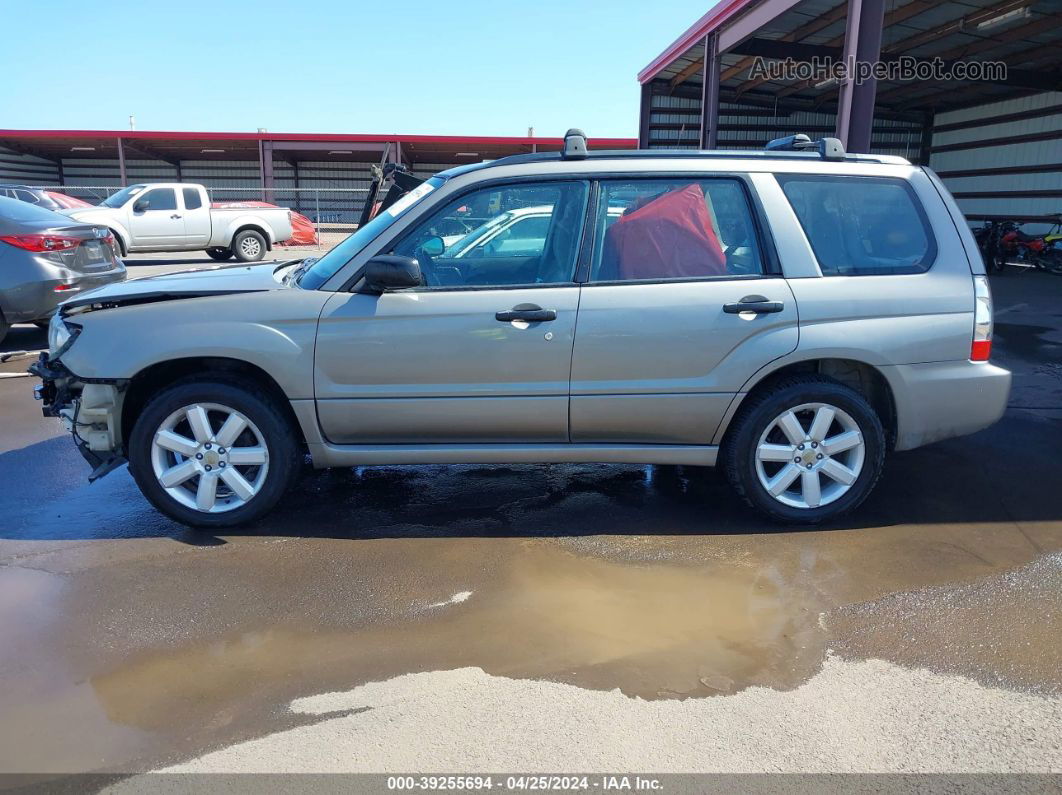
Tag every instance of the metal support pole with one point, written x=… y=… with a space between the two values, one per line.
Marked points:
x=121 y=164
x=709 y=137
x=644 y=115
x=317 y=219
x=927 y=139
x=267 y=171
x=862 y=44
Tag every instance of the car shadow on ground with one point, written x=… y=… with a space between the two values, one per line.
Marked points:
x=24 y=337
x=1003 y=475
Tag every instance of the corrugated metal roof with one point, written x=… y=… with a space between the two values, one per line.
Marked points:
x=951 y=29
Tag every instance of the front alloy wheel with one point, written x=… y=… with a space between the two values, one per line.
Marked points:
x=214 y=453
x=209 y=457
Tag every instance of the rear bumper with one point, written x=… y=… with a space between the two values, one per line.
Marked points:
x=36 y=298
x=939 y=400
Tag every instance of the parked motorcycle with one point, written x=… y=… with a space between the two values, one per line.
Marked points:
x=1004 y=241
x=987 y=237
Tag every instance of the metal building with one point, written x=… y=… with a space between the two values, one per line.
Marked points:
x=996 y=140
x=322 y=176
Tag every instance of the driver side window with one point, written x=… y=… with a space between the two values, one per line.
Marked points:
x=500 y=236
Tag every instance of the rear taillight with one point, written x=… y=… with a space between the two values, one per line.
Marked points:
x=42 y=242
x=981 y=348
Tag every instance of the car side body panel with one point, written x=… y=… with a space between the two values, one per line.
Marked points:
x=274 y=330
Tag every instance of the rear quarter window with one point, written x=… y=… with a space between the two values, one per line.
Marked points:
x=861 y=226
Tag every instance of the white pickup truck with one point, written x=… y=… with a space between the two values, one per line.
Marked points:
x=177 y=216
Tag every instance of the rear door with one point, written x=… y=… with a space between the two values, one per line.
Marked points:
x=683 y=303
x=160 y=224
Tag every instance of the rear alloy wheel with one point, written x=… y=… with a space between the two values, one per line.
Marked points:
x=249 y=246
x=219 y=254
x=807 y=451
x=212 y=454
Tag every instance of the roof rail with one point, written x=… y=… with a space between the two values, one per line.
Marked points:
x=828 y=148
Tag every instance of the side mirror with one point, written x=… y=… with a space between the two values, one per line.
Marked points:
x=433 y=246
x=140 y=205
x=385 y=273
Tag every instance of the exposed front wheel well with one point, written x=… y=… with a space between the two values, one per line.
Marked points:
x=151 y=380
x=860 y=376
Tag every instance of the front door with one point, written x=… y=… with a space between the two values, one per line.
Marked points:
x=159 y=224
x=481 y=353
x=680 y=309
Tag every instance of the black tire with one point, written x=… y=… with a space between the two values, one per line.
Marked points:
x=243 y=246
x=4 y=326
x=249 y=399
x=760 y=410
x=118 y=244
x=219 y=254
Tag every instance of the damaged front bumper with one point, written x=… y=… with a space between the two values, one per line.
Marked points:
x=90 y=410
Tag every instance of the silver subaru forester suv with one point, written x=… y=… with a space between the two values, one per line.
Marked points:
x=792 y=314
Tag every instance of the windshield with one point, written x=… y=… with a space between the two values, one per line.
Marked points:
x=329 y=264
x=122 y=196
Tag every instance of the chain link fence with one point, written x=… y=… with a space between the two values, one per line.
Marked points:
x=321 y=217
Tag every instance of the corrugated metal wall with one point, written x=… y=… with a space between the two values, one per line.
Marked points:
x=21 y=169
x=675 y=118
x=1003 y=159
x=333 y=190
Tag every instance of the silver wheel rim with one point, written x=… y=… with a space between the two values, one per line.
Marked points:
x=810 y=455
x=250 y=247
x=209 y=457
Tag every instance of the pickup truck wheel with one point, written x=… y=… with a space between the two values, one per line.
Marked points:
x=808 y=450
x=219 y=254
x=213 y=454
x=249 y=246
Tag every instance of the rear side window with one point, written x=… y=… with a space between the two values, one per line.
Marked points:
x=673 y=229
x=862 y=225
x=191 y=199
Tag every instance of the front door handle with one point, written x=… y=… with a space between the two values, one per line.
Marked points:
x=175 y=215
x=529 y=313
x=753 y=303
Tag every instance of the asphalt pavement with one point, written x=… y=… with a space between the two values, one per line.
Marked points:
x=466 y=618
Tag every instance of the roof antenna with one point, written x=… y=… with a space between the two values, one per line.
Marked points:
x=574 y=145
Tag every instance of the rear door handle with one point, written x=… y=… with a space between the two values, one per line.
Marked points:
x=175 y=216
x=753 y=303
x=529 y=313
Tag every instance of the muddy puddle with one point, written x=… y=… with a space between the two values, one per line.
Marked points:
x=176 y=654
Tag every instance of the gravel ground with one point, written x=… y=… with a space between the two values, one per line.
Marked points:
x=866 y=716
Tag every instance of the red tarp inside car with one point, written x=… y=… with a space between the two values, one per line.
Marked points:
x=668 y=237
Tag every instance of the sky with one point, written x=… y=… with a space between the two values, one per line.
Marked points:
x=464 y=67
